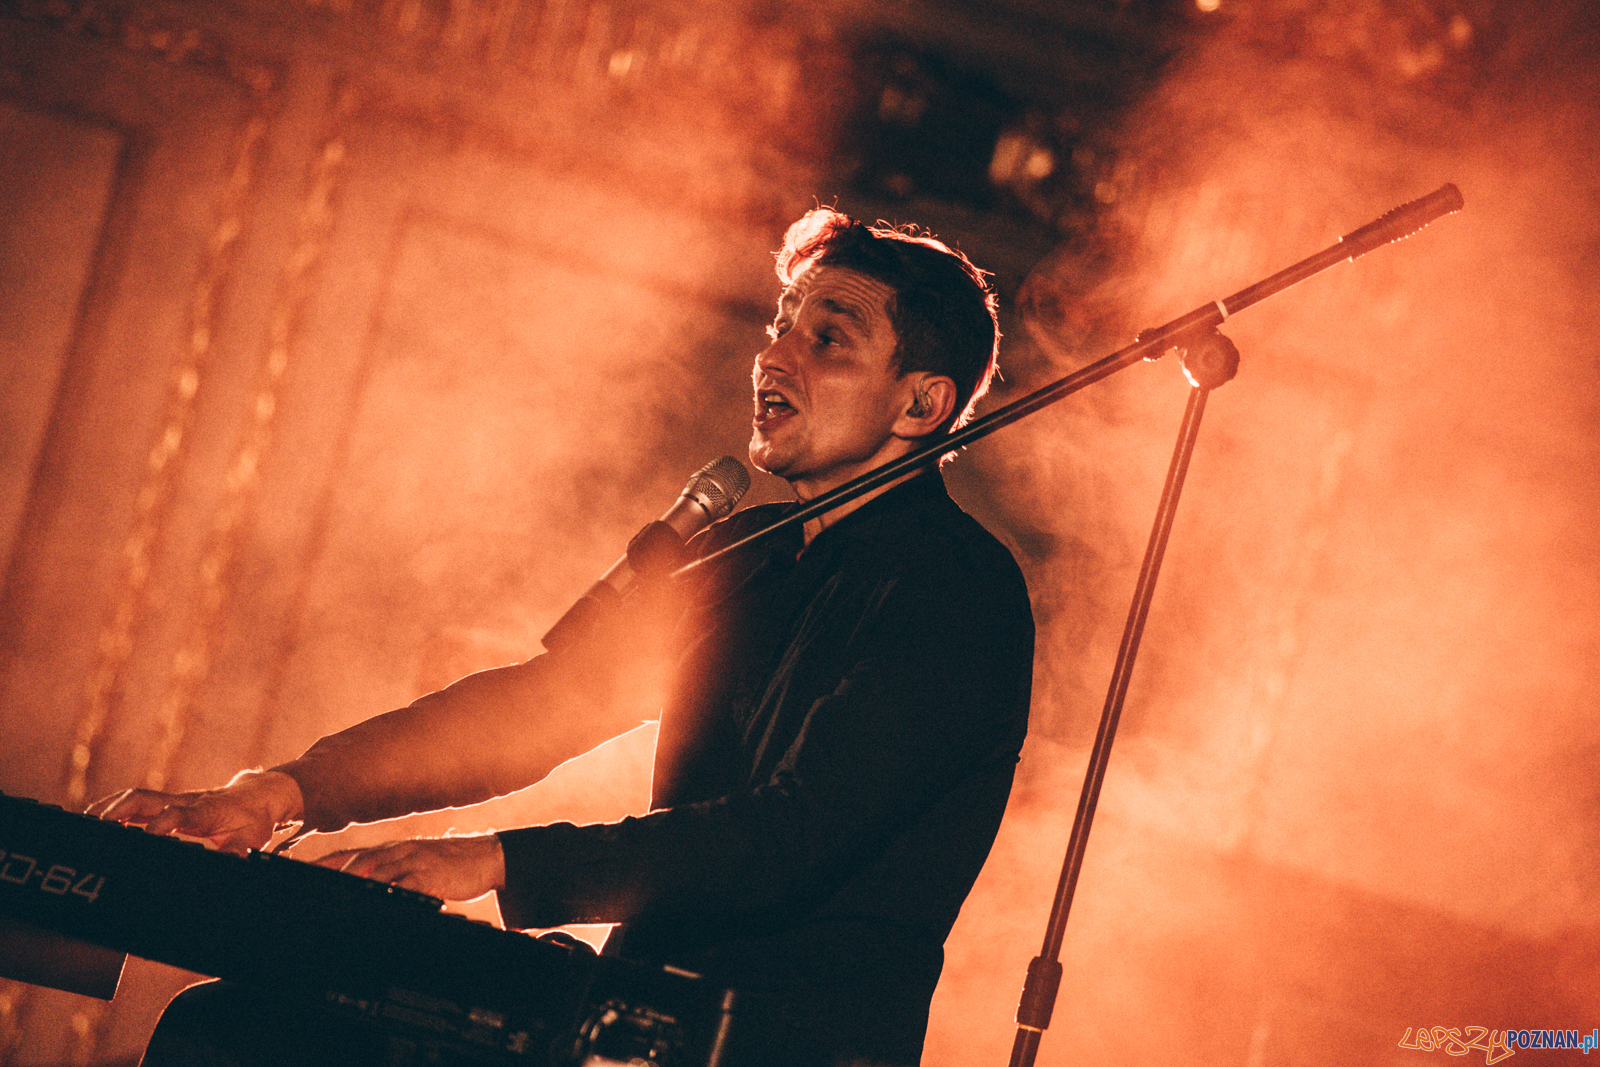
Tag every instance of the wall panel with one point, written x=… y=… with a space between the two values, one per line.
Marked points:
x=99 y=496
x=57 y=174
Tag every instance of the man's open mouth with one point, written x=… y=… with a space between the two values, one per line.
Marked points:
x=772 y=405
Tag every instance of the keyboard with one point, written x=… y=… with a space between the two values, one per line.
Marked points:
x=469 y=991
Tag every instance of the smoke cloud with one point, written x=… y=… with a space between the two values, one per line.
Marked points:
x=1366 y=689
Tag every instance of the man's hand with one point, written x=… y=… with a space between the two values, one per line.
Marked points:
x=450 y=868
x=236 y=818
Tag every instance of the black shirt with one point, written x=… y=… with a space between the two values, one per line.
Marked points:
x=832 y=765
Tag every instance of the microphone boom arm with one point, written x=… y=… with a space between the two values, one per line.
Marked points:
x=1150 y=344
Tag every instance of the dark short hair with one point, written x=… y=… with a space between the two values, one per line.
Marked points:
x=943 y=308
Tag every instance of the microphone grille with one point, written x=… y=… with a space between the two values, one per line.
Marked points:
x=719 y=484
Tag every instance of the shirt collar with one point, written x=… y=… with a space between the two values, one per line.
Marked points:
x=868 y=522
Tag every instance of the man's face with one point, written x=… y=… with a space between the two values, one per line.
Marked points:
x=827 y=396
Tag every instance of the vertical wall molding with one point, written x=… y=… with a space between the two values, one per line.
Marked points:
x=192 y=662
x=164 y=463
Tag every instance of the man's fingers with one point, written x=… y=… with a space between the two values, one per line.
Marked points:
x=136 y=806
x=423 y=865
x=101 y=807
x=349 y=860
x=451 y=868
x=380 y=869
x=237 y=841
x=192 y=819
x=392 y=863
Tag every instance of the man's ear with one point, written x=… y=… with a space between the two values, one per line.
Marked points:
x=933 y=401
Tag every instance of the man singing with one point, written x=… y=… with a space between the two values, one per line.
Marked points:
x=848 y=699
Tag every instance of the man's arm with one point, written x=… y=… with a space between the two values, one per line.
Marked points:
x=489 y=734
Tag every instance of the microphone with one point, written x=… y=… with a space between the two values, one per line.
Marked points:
x=712 y=492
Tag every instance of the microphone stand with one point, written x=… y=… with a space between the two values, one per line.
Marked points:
x=1209 y=360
